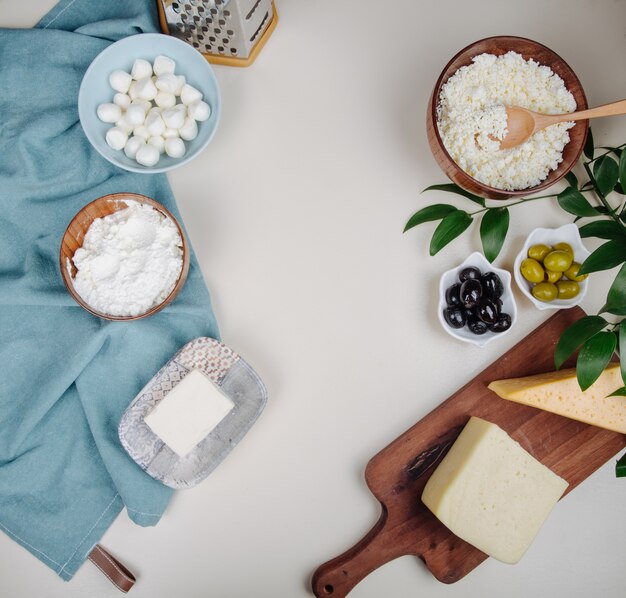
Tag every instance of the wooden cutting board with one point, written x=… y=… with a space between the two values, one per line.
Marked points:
x=397 y=475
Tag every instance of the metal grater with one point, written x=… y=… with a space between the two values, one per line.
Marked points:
x=225 y=31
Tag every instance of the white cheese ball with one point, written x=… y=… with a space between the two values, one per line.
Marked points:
x=109 y=113
x=132 y=146
x=199 y=110
x=180 y=83
x=154 y=123
x=147 y=155
x=173 y=118
x=120 y=81
x=142 y=132
x=141 y=69
x=163 y=65
x=146 y=89
x=158 y=142
x=122 y=100
x=167 y=82
x=124 y=124
x=135 y=115
x=165 y=99
x=116 y=138
x=143 y=103
x=175 y=147
x=170 y=133
x=189 y=130
x=132 y=91
x=189 y=94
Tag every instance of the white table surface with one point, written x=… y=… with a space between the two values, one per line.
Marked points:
x=296 y=212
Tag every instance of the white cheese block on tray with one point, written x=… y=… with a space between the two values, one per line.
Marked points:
x=189 y=412
x=559 y=392
x=491 y=493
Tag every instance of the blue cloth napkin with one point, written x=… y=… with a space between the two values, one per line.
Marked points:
x=67 y=376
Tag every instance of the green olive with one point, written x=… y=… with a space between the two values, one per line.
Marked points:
x=566 y=247
x=558 y=260
x=545 y=291
x=538 y=252
x=572 y=273
x=531 y=270
x=552 y=276
x=568 y=289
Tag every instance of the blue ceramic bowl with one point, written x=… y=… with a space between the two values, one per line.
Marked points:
x=95 y=90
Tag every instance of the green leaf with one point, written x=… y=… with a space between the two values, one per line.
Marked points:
x=452 y=188
x=620 y=467
x=606 y=173
x=493 y=229
x=574 y=336
x=620 y=392
x=449 y=229
x=605 y=257
x=570 y=177
x=603 y=229
x=616 y=299
x=429 y=213
x=622 y=354
x=616 y=150
x=574 y=202
x=593 y=358
x=589 y=146
x=622 y=171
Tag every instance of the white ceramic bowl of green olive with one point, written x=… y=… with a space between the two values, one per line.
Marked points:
x=476 y=304
x=546 y=269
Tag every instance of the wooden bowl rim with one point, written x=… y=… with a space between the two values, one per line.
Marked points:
x=143 y=199
x=435 y=100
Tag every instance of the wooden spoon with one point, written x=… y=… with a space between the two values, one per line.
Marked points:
x=522 y=123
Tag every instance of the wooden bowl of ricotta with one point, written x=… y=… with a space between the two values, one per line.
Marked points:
x=75 y=234
x=528 y=49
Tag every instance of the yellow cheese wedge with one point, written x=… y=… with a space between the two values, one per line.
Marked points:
x=492 y=493
x=558 y=392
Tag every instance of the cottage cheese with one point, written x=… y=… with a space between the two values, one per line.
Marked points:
x=471 y=118
x=129 y=262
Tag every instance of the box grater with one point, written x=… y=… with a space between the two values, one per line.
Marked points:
x=229 y=32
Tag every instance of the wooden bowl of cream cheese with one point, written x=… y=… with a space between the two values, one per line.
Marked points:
x=75 y=235
x=527 y=49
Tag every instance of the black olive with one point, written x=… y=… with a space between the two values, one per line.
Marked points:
x=469 y=273
x=492 y=284
x=471 y=291
x=498 y=303
x=476 y=325
x=453 y=295
x=454 y=316
x=502 y=323
x=486 y=310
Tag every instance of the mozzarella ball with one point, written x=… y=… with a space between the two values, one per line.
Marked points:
x=132 y=91
x=143 y=103
x=116 y=138
x=122 y=100
x=135 y=115
x=154 y=109
x=146 y=89
x=154 y=123
x=109 y=113
x=189 y=130
x=174 y=118
x=141 y=69
x=199 y=110
x=175 y=147
x=132 y=146
x=170 y=133
x=158 y=142
x=165 y=99
x=147 y=155
x=167 y=82
x=163 y=64
x=142 y=132
x=180 y=83
x=189 y=94
x=120 y=81
x=124 y=124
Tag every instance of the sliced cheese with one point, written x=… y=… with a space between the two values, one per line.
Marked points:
x=189 y=412
x=559 y=392
x=491 y=493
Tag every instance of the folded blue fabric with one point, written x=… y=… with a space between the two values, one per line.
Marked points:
x=67 y=376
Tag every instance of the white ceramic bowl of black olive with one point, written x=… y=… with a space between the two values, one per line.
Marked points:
x=476 y=303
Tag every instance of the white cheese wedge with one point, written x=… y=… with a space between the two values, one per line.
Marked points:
x=189 y=412
x=491 y=493
x=559 y=392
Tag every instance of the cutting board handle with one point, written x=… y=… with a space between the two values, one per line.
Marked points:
x=337 y=577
